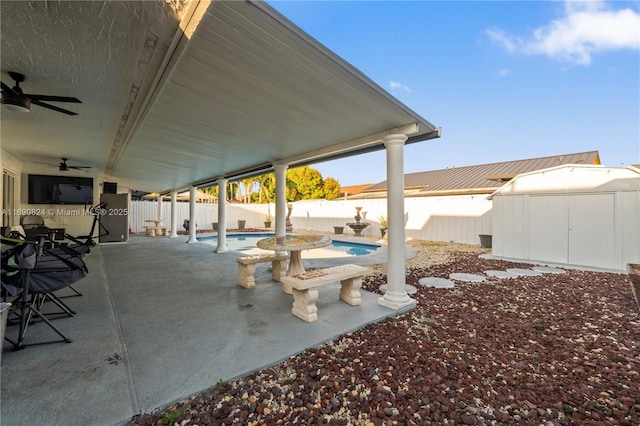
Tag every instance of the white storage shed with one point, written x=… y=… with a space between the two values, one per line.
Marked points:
x=579 y=215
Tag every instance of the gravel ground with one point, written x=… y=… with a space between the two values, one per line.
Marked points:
x=541 y=350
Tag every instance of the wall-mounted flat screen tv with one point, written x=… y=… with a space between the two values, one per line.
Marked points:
x=45 y=189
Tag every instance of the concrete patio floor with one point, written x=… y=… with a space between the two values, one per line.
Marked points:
x=160 y=320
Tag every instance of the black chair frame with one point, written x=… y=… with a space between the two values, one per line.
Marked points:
x=40 y=272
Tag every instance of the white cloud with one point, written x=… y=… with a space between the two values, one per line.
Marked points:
x=394 y=85
x=586 y=28
x=500 y=37
x=503 y=72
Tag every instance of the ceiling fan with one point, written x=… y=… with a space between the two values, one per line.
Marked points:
x=15 y=100
x=64 y=167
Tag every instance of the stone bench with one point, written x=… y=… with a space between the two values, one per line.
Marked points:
x=163 y=230
x=247 y=268
x=150 y=231
x=305 y=288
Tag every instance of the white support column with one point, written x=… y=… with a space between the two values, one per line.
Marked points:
x=159 y=215
x=174 y=217
x=192 y=215
x=396 y=296
x=222 y=224
x=281 y=199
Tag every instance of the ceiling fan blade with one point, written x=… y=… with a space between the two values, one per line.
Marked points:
x=7 y=88
x=79 y=167
x=46 y=164
x=55 y=108
x=50 y=98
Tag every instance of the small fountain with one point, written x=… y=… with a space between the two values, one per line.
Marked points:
x=357 y=226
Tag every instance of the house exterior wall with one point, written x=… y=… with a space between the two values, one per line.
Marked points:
x=571 y=215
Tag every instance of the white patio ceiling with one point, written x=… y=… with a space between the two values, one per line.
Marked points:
x=185 y=95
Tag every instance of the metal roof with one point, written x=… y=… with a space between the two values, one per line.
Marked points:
x=478 y=179
x=346 y=191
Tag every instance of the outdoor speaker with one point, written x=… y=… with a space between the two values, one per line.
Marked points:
x=109 y=188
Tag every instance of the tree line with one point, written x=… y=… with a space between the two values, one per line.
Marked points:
x=303 y=183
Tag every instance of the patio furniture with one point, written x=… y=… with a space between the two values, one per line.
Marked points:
x=70 y=246
x=33 y=225
x=4 y=313
x=150 y=231
x=39 y=232
x=31 y=273
x=305 y=288
x=50 y=237
x=294 y=244
x=157 y=227
x=29 y=221
x=247 y=268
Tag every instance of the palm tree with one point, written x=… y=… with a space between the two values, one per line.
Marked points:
x=211 y=190
x=248 y=185
x=233 y=190
x=266 y=182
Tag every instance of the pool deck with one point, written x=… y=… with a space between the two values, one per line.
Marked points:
x=160 y=320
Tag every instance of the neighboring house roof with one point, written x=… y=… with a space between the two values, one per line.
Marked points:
x=480 y=179
x=346 y=191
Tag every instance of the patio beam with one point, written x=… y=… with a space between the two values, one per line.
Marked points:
x=348 y=147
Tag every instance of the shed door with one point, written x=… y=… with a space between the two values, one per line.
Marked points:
x=548 y=223
x=591 y=230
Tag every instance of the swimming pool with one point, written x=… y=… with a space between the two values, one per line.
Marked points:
x=246 y=243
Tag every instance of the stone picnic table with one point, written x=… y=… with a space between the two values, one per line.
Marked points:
x=294 y=244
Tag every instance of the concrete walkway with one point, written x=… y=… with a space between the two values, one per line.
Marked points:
x=160 y=320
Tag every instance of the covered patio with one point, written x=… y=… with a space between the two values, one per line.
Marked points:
x=176 y=95
x=187 y=94
x=149 y=332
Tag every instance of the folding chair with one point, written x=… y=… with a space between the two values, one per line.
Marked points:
x=43 y=236
x=33 y=279
x=29 y=221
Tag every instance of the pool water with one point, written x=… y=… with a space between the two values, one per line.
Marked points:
x=246 y=243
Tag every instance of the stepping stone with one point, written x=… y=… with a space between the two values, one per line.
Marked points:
x=527 y=272
x=500 y=274
x=473 y=278
x=549 y=270
x=436 y=282
x=409 y=288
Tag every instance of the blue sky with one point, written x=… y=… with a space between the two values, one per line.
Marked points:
x=504 y=80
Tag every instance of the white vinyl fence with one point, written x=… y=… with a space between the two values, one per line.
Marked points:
x=451 y=218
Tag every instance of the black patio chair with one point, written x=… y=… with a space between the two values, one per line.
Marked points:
x=32 y=278
x=29 y=221
x=45 y=237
